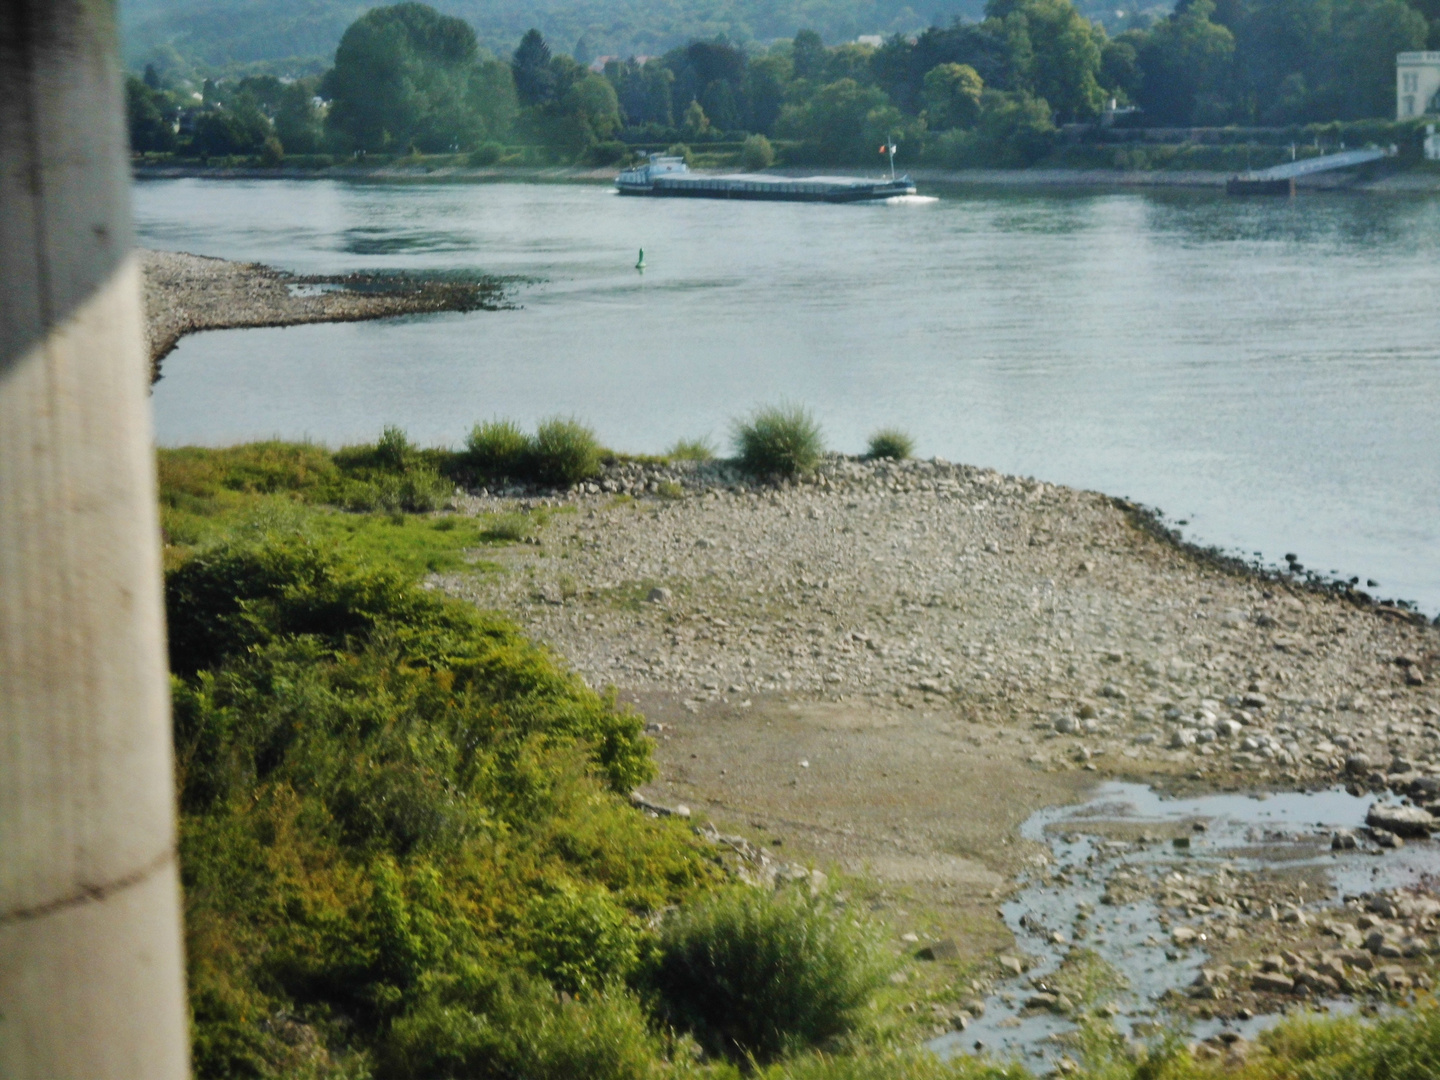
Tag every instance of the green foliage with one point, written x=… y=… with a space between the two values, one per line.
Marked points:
x=757 y=153
x=396 y=810
x=692 y=450
x=405 y=74
x=565 y=452
x=779 y=440
x=755 y=974
x=523 y=1033
x=952 y=96
x=579 y=938
x=498 y=448
x=842 y=122
x=890 y=443
x=681 y=151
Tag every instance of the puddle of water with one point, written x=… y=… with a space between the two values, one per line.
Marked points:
x=1126 y=830
x=305 y=290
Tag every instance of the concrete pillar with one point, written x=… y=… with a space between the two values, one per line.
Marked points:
x=91 y=973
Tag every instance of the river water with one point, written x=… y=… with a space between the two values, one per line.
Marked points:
x=1266 y=371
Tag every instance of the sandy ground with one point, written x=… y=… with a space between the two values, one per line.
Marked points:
x=185 y=294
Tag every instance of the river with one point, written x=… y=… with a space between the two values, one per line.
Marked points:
x=1266 y=371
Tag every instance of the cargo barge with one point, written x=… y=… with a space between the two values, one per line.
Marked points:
x=669 y=176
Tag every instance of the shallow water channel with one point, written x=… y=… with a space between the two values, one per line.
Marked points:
x=1060 y=905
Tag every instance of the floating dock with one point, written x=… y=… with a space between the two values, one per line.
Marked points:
x=1280 y=180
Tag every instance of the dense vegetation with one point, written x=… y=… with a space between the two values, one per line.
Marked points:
x=989 y=92
x=406 y=847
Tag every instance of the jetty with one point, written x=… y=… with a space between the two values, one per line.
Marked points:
x=1280 y=179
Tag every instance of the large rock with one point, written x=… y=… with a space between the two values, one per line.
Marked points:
x=1401 y=820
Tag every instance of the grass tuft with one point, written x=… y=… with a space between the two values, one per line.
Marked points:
x=692 y=450
x=778 y=440
x=890 y=443
x=498 y=448
x=565 y=452
x=754 y=974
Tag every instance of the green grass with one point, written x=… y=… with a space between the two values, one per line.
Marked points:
x=778 y=441
x=564 y=452
x=754 y=976
x=691 y=450
x=890 y=443
x=498 y=448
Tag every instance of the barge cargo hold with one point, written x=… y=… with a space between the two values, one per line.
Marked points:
x=669 y=176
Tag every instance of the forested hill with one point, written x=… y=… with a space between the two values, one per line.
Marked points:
x=222 y=33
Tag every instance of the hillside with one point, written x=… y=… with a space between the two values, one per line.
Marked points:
x=220 y=33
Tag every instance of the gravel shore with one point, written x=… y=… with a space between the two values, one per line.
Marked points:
x=1002 y=599
x=889 y=668
x=185 y=294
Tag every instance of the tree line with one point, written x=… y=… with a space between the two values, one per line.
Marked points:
x=406 y=78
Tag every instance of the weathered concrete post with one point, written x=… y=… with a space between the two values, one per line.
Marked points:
x=91 y=978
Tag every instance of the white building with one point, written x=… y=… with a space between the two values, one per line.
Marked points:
x=1417 y=83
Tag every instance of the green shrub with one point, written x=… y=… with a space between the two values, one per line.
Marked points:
x=487 y=153
x=757 y=153
x=890 y=443
x=691 y=450
x=564 y=452
x=579 y=938
x=780 y=440
x=521 y=1032
x=498 y=448
x=510 y=527
x=681 y=151
x=610 y=152
x=902 y=1064
x=757 y=974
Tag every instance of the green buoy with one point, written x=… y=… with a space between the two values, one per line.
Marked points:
x=640 y=265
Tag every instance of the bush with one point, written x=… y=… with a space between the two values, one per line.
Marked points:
x=564 y=452
x=579 y=939
x=498 y=448
x=487 y=153
x=680 y=150
x=691 y=450
x=610 y=152
x=779 y=440
x=756 y=974
x=890 y=443
x=757 y=153
x=272 y=153
x=522 y=1032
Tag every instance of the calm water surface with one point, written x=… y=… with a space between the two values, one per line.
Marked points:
x=1266 y=370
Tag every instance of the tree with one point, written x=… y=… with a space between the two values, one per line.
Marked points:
x=149 y=116
x=843 y=122
x=534 y=81
x=297 y=119
x=952 y=96
x=1184 y=56
x=767 y=79
x=1055 y=54
x=807 y=53
x=696 y=123
x=407 y=75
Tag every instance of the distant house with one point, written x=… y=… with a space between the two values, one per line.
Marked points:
x=1417 y=84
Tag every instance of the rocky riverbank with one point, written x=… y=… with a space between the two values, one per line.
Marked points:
x=888 y=668
x=185 y=294
x=1003 y=599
